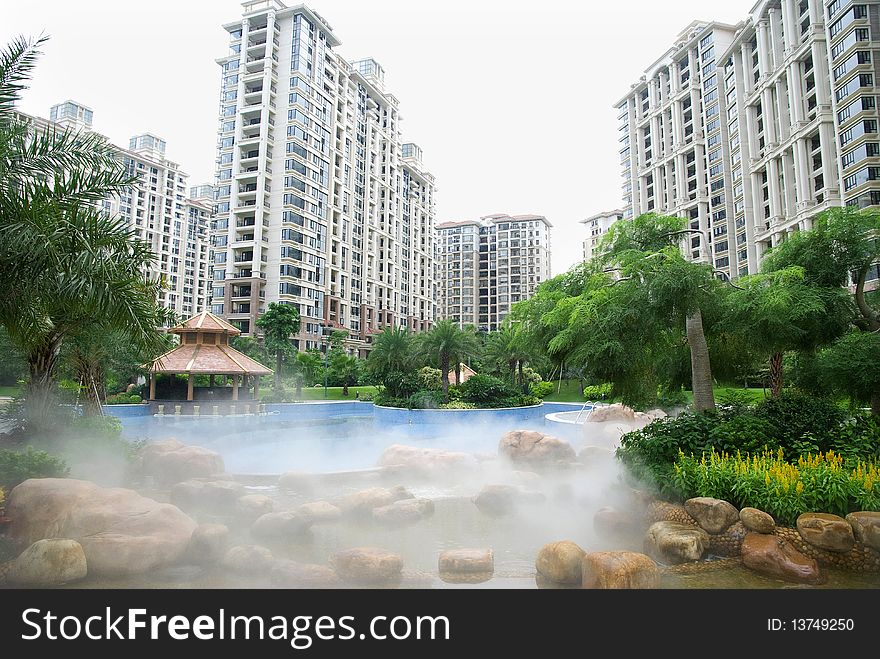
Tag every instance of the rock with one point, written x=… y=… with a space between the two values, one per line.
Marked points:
x=297 y=481
x=48 y=563
x=367 y=565
x=608 y=521
x=656 y=414
x=252 y=506
x=826 y=531
x=280 y=526
x=612 y=412
x=209 y=543
x=464 y=577
x=364 y=501
x=426 y=461
x=171 y=462
x=403 y=512
x=320 y=512
x=757 y=520
x=121 y=532
x=248 y=559
x=466 y=561
x=500 y=500
x=663 y=511
x=713 y=515
x=289 y=574
x=560 y=562
x=774 y=557
x=618 y=570
x=672 y=542
x=529 y=447
x=595 y=454
x=730 y=542
x=866 y=527
x=206 y=494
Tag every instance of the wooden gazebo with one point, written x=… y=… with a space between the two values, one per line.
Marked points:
x=204 y=350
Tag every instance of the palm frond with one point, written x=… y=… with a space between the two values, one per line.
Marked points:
x=17 y=60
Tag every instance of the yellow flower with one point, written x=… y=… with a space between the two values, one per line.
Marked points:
x=799 y=488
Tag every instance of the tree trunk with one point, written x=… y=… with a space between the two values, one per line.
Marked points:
x=40 y=396
x=875 y=403
x=345 y=387
x=701 y=368
x=299 y=385
x=520 y=366
x=512 y=365
x=864 y=308
x=457 y=373
x=279 y=357
x=776 y=374
x=444 y=375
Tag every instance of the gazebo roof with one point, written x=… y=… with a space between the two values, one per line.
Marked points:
x=205 y=321
x=207 y=360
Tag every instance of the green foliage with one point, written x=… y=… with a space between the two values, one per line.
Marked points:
x=858 y=437
x=18 y=466
x=123 y=399
x=458 y=405
x=541 y=389
x=252 y=348
x=392 y=361
x=850 y=366
x=597 y=391
x=668 y=399
x=430 y=378
x=801 y=423
x=485 y=390
x=278 y=323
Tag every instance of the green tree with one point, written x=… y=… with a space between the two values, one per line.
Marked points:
x=506 y=352
x=392 y=358
x=251 y=347
x=307 y=365
x=345 y=369
x=72 y=265
x=447 y=342
x=278 y=323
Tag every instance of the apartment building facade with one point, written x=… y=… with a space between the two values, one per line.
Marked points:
x=485 y=266
x=596 y=227
x=159 y=212
x=320 y=203
x=791 y=131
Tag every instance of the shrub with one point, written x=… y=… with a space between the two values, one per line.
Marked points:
x=484 y=390
x=858 y=438
x=458 y=405
x=123 y=399
x=365 y=396
x=541 y=389
x=597 y=391
x=669 y=398
x=801 y=423
x=425 y=399
x=18 y=466
x=431 y=378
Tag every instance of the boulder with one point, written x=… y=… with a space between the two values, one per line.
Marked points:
x=48 y=563
x=673 y=542
x=404 y=512
x=320 y=512
x=426 y=461
x=826 y=531
x=170 y=462
x=772 y=556
x=290 y=574
x=363 y=502
x=209 y=543
x=618 y=570
x=466 y=561
x=297 y=481
x=534 y=448
x=728 y=543
x=612 y=412
x=866 y=527
x=280 y=526
x=252 y=506
x=757 y=520
x=248 y=559
x=609 y=521
x=560 y=562
x=207 y=494
x=656 y=414
x=367 y=565
x=500 y=500
x=713 y=515
x=121 y=532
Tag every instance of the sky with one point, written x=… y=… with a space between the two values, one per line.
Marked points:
x=510 y=101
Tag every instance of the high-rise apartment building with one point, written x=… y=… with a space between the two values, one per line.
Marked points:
x=320 y=203
x=485 y=266
x=159 y=212
x=596 y=226
x=765 y=125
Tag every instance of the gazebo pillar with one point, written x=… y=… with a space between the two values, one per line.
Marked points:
x=234 y=387
x=152 y=386
x=257 y=388
x=189 y=386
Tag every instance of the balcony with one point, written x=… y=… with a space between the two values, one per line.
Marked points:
x=246 y=222
x=244 y=257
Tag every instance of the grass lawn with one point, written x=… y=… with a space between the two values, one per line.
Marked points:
x=333 y=393
x=571 y=393
x=12 y=392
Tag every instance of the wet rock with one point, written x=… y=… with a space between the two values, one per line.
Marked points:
x=866 y=527
x=656 y=414
x=426 y=462
x=404 y=512
x=367 y=565
x=672 y=542
x=826 y=531
x=280 y=526
x=713 y=515
x=772 y=556
x=248 y=559
x=728 y=543
x=48 y=563
x=290 y=574
x=609 y=521
x=320 y=512
x=209 y=543
x=170 y=461
x=757 y=520
x=207 y=494
x=663 y=511
x=468 y=561
x=252 y=506
x=560 y=562
x=297 y=481
x=618 y=570
x=121 y=532
x=363 y=502
x=464 y=577
x=612 y=412
x=534 y=448
x=500 y=500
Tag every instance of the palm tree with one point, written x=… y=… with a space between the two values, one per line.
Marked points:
x=278 y=323
x=391 y=358
x=504 y=348
x=346 y=368
x=71 y=264
x=445 y=342
x=307 y=366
